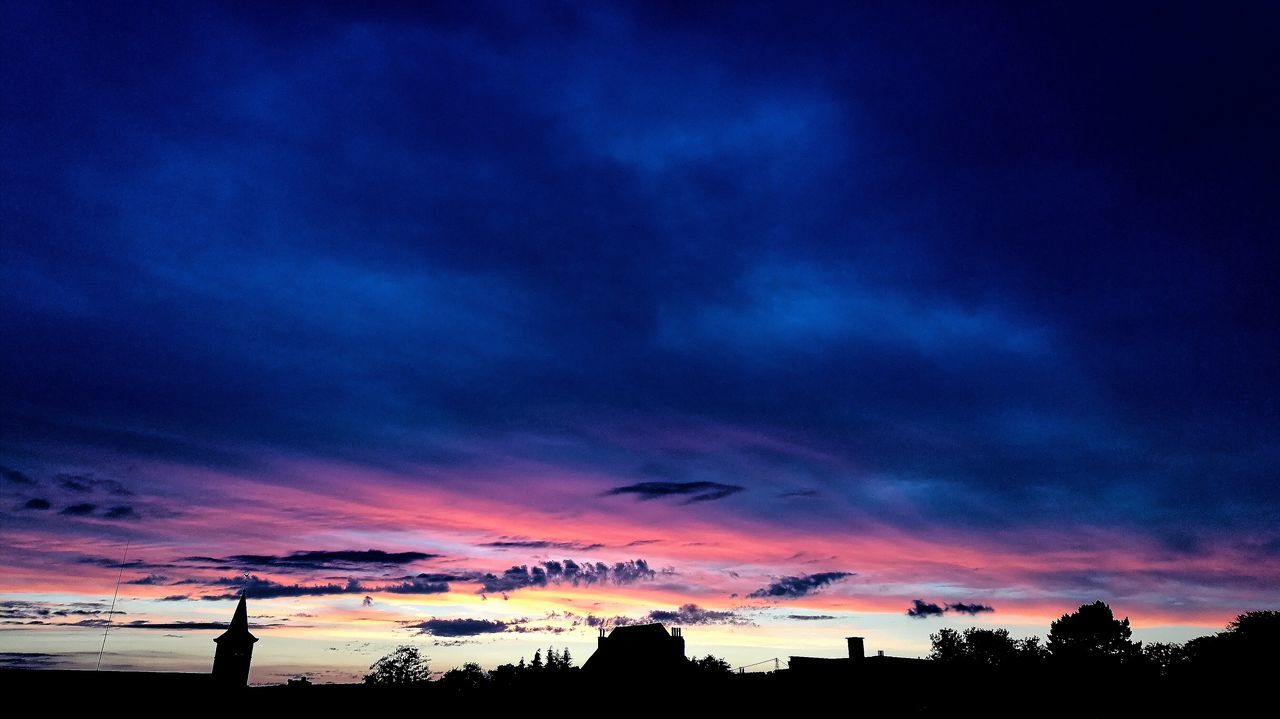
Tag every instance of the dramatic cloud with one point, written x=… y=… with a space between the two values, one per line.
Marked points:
x=605 y=622
x=460 y=627
x=18 y=609
x=37 y=503
x=791 y=587
x=79 y=510
x=810 y=617
x=570 y=572
x=311 y=560
x=920 y=609
x=149 y=580
x=689 y=614
x=258 y=588
x=416 y=585
x=970 y=609
x=694 y=491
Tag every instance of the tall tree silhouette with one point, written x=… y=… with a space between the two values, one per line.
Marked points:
x=1091 y=634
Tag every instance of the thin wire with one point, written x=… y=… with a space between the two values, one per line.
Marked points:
x=763 y=661
x=111 y=613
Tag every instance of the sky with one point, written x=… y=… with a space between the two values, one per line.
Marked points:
x=483 y=326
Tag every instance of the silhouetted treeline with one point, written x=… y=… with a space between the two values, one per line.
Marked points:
x=1091 y=638
x=1088 y=665
x=1087 y=662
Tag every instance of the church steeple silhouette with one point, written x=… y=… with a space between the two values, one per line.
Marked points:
x=235 y=650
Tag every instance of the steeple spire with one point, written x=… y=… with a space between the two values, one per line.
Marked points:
x=239 y=627
x=235 y=649
x=240 y=620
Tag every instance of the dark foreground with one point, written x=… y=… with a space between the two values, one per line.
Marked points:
x=929 y=691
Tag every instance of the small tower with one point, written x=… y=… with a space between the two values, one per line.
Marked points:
x=235 y=650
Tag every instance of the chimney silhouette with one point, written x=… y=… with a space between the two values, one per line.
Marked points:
x=856 y=649
x=600 y=640
x=235 y=650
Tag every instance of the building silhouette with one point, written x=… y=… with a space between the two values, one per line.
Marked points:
x=878 y=666
x=235 y=650
x=638 y=649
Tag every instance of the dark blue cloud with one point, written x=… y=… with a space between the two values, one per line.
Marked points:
x=792 y=587
x=920 y=609
x=1003 y=262
x=693 y=491
x=970 y=608
x=567 y=572
x=461 y=627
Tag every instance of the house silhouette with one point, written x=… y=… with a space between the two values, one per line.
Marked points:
x=639 y=648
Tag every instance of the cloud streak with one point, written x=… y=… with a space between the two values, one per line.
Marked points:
x=798 y=586
x=693 y=492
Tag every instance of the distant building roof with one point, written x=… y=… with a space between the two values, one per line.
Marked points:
x=640 y=632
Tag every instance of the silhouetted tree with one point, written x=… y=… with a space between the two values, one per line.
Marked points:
x=1250 y=640
x=1091 y=634
x=1163 y=657
x=403 y=665
x=536 y=664
x=990 y=648
x=948 y=646
x=1031 y=652
x=465 y=678
x=712 y=666
x=558 y=661
x=1256 y=627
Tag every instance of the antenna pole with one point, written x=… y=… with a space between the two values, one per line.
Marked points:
x=111 y=613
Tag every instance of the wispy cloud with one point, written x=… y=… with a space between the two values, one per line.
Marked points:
x=692 y=491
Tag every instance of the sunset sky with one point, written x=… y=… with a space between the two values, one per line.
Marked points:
x=483 y=325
